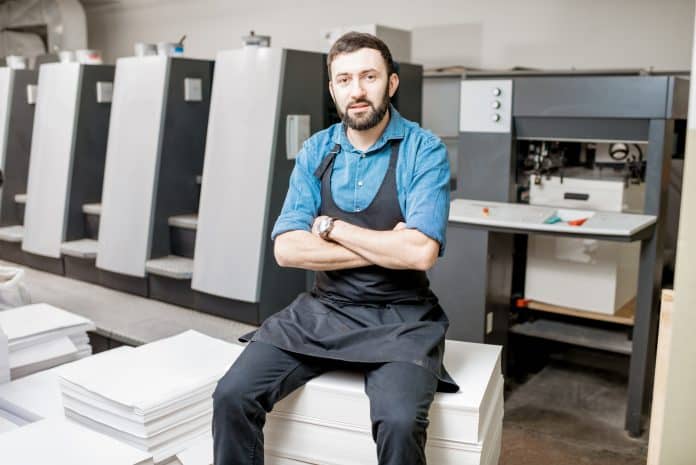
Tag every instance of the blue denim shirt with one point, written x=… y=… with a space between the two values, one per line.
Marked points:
x=422 y=178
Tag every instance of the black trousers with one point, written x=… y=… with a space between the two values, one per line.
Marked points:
x=400 y=396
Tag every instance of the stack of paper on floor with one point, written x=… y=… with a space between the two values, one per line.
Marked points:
x=156 y=397
x=37 y=396
x=41 y=336
x=328 y=420
x=60 y=442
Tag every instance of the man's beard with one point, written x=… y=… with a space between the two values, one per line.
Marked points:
x=368 y=121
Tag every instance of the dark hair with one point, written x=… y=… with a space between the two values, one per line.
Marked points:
x=354 y=41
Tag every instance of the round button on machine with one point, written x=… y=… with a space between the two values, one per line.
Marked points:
x=495 y=117
x=497 y=91
x=495 y=104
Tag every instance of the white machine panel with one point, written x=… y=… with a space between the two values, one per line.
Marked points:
x=6 y=77
x=50 y=162
x=238 y=168
x=485 y=106
x=132 y=160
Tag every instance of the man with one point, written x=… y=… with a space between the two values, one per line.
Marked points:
x=367 y=210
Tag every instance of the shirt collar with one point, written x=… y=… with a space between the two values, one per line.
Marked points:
x=394 y=130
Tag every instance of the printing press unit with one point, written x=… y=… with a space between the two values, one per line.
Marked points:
x=558 y=221
x=17 y=105
x=68 y=151
x=154 y=161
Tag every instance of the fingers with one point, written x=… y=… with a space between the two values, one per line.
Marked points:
x=400 y=226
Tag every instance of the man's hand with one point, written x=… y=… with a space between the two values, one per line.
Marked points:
x=400 y=226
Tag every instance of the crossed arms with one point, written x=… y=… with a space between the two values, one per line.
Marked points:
x=352 y=247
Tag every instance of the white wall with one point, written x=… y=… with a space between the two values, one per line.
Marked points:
x=491 y=34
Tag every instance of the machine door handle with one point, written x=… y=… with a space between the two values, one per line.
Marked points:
x=576 y=196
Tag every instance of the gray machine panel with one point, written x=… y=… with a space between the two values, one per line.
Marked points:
x=237 y=173
x=89 y=154
x=51 y=158
x=132 y=162
x=6 y=77
x=409 y=96
x=17 y=147
x=602 y=97
x=182 y=149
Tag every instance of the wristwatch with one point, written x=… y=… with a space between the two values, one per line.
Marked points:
x=325 y=226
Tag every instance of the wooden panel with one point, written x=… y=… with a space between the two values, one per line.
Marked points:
x=664 y=340
x=624 y=316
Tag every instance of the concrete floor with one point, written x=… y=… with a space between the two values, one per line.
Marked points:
x=569 y=414
x=565 y=414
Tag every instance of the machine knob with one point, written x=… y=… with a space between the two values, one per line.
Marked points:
x=495 y=104
x=495 y=117
x=496 y=91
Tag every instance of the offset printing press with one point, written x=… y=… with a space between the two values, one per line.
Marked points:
x=67 y=157
x=562 y=153
x=154 y=160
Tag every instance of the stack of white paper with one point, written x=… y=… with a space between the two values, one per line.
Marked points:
x=59 y=442
x=37 y=396
x=156 y=397
x=41 y=336
x=328 y=420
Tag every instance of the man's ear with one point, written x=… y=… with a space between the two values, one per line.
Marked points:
x=393 y=84
x=331 y=91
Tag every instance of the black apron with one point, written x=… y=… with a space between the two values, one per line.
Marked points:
x=369 y=314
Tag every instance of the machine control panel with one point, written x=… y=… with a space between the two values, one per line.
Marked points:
x=297 y=130
x=193 y=90
x=485 y=106
x=31 y=94
x=105 y=91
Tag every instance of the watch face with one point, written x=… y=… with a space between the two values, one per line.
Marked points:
x=324 y=224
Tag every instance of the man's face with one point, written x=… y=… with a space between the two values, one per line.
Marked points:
x=361 y=88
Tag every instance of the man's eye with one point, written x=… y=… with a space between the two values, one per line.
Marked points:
x=371 y=77
x=342 y=80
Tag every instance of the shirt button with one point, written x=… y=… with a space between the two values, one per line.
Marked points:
x=357 y=209
x=363 y=156
x=360 y=183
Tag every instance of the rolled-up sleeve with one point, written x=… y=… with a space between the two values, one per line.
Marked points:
x=302 y=201
x=428 y=194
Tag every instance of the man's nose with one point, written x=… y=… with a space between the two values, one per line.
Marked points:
x=356 y=90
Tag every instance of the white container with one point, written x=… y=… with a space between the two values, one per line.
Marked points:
x=88 y=57
x=143 y=49
x=170 y=49
x=66 y=56
x=583 y=274
x=16 y=62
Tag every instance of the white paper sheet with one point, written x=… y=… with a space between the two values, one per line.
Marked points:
x=49 y=350
x=199 y=453
x=37 y=319
x=38 y=396
x=60 y=442
x=160 y=374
